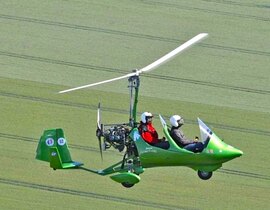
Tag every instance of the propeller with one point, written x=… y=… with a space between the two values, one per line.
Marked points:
x=98 y=131
x=151 y=66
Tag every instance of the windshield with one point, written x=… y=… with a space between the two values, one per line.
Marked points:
x=206 y=132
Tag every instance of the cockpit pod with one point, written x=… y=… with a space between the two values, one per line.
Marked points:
x=215 y=146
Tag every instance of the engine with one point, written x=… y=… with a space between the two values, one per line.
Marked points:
x=116 y=136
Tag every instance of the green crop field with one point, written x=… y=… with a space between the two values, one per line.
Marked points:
x=48 y=46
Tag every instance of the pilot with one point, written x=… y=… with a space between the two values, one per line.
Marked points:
x=179 y=137
x=149 y=133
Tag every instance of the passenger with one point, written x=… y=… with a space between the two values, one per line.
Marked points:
x=179 y=137
x=149 y=133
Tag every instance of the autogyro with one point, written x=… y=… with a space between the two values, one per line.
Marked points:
x=138 y=154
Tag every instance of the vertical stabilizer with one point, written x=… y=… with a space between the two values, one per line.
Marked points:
x=53 y=148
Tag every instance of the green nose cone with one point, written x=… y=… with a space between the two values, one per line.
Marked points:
x=234 y=153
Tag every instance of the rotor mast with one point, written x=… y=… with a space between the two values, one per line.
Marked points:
x=134 y=83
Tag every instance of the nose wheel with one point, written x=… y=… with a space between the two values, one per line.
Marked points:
x=204 y=175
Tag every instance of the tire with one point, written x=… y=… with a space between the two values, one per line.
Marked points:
x=205 y=175
x=127 y=185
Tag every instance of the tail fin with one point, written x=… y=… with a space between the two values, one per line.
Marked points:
x=53 y=148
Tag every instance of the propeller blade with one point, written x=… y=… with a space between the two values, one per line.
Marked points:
x=99 y=132
x=98 y=117
x=173 y=53
x=99 y=83
x=100 y=147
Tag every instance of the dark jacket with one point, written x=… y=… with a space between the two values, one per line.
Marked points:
x=179 y=137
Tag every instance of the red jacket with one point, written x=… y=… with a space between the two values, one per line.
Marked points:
x=148 y=133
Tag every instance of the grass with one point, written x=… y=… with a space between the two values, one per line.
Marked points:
x=223 y=80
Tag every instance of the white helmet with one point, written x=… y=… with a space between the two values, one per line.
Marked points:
x=145 y=115
x=176 y=120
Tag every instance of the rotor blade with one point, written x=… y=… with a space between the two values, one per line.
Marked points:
x=98 y=83
x=173 y=53
x=151 y=66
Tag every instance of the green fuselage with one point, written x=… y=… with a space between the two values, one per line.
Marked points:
x=210 y=159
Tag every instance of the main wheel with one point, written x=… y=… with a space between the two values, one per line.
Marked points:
x=205 y=175
x=127 y=185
